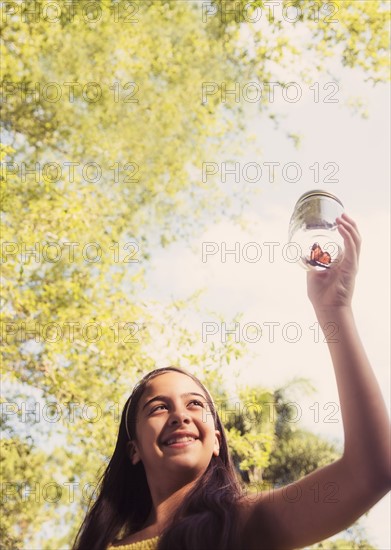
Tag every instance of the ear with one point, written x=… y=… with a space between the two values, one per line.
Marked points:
x=133 y=452
x=216 y=448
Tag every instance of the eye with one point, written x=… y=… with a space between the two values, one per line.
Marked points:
x=196 y=402
x=157 y=408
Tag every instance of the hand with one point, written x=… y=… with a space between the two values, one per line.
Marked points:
x=333 y=288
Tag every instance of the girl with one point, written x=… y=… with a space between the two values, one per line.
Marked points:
x=170 y=484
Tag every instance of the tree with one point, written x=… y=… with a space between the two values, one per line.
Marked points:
x=297 y=452
x=271 y=450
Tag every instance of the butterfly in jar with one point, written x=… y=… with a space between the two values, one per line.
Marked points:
x=319 y=257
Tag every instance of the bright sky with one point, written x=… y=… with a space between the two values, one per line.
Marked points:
x=266 y=292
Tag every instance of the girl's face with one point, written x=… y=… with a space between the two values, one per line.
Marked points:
x=175 y=429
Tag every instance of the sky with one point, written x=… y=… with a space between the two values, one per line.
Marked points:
x=355 y=150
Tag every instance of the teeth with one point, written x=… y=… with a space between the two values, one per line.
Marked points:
x=179 y=440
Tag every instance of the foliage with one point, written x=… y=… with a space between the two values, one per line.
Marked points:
x=296 y=452
x=297 y=456
x=20 y=465
x=355 y=539
x=250 y=425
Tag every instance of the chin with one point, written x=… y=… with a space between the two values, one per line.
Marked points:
x=188 y=468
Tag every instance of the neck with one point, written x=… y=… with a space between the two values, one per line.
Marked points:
x=165 y=501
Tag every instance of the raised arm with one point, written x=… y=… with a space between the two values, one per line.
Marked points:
x=332 y=498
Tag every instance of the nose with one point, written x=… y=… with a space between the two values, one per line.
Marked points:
x=178 y=418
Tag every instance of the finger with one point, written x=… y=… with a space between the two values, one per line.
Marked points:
x=351 y=226
x=349 y=219
x=351 y=251
x=356 y=234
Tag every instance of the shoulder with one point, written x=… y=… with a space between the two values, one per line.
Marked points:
x=258 y=521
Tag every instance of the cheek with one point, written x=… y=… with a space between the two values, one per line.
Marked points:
x=150 y=430
x=209 y=431
x=144 y=434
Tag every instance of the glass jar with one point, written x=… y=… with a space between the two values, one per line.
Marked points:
x=313 y=230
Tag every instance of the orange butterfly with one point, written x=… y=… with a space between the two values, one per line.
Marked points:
x=318 y=257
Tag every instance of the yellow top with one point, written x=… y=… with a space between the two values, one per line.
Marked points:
x=147 y=544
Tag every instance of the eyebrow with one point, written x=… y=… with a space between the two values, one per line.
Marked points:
x=164 y=398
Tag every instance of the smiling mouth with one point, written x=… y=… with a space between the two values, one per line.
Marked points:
x=180 y=441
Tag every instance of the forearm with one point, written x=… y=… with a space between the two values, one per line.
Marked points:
x=365 y=419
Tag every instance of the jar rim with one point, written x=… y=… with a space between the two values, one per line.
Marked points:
x=320 y=192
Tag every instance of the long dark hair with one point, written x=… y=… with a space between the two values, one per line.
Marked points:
x=208 y=516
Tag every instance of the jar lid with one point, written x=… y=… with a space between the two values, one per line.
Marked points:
x=318 y=192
